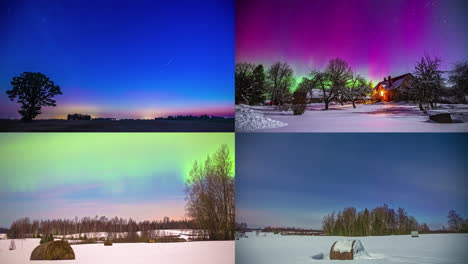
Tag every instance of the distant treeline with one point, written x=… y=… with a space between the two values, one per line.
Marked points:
x=289 y=229
x=338 y=82
x=25 y=227
x=78 y=117
x=242 y=227
x=189 y=117
x=378 y=222
x=179 y=117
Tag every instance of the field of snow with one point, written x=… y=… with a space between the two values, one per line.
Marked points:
x=277 y=249
x=380 y=117
x=204 y=252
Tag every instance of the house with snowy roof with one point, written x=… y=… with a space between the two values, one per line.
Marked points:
x=389 y=89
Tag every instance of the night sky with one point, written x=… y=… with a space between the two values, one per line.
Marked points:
x=377 y=38
x=63 y=175
x=294 y=179
x=124 y=59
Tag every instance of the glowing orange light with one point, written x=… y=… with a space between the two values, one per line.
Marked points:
x=382 y=93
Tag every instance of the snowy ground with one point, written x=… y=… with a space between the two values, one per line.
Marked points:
x=205 y=252
x=380 y=117
x=248 y=119
x=277 y=249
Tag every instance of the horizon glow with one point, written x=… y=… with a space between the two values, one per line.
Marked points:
x=63 y=175
x=377 y=38
x=120 y=59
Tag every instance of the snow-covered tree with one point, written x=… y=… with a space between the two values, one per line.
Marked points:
x=427 y=84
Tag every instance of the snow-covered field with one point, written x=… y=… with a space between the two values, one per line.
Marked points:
x=380 y=117
x=204 y=252
x=277 y=249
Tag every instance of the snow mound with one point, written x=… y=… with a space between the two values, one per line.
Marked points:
x=318 y=256
x=359 y=251
x=248 y=119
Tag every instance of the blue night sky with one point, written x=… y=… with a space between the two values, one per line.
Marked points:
x=292 y=179
x=127 y=59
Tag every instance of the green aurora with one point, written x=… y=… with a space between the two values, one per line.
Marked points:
x=127 y=167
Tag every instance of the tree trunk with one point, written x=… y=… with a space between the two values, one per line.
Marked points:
x=354 y=105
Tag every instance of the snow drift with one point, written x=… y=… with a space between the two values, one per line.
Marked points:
x=248 y=119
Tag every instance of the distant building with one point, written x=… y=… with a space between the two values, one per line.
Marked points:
x=390 y=88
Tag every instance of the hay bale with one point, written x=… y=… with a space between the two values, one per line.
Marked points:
x=108 y=243
x=441 y=118
x=346 y=249
x=56 y=250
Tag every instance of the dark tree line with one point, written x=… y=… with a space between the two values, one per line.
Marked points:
x=76 y=116
x=380 y=221
x=336 y=83
x=210 y=195
x=275 y=229
x=25 y=227
x=190 y=117
x=456 y=223
x=241 y=227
